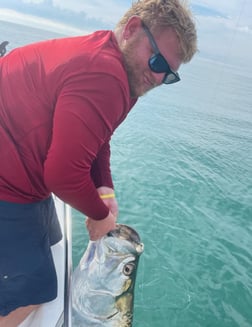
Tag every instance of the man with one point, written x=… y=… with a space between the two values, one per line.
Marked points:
x=61 y=100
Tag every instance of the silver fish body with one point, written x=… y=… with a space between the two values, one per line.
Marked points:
x=103 y=283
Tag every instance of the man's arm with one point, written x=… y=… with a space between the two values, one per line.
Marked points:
x=100 y=170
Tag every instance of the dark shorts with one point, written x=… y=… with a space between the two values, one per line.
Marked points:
x=27 y=272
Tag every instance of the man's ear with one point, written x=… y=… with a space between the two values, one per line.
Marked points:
x=132 y=26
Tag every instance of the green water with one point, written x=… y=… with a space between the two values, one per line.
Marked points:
x=182 y=168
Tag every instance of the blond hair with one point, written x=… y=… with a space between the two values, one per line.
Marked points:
x=175 y=14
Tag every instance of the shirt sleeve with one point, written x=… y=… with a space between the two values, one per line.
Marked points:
x=85 y=117
x=100 y=171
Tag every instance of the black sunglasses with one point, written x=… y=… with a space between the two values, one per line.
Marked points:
x=158 y=63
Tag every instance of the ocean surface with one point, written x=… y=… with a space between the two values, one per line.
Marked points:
x=182 y=169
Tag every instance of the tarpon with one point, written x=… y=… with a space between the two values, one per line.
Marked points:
x=103 y=282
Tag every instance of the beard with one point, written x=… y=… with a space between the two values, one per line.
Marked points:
x=132 y=66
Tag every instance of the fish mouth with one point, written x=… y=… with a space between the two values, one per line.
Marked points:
x=127 y=233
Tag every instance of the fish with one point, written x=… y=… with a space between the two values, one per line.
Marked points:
x=104 y=281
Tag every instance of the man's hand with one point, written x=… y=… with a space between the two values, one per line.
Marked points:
x=99 y=228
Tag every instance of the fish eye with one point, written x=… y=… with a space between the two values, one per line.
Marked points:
x=128 y=269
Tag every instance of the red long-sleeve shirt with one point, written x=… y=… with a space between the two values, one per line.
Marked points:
x=60 y=102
